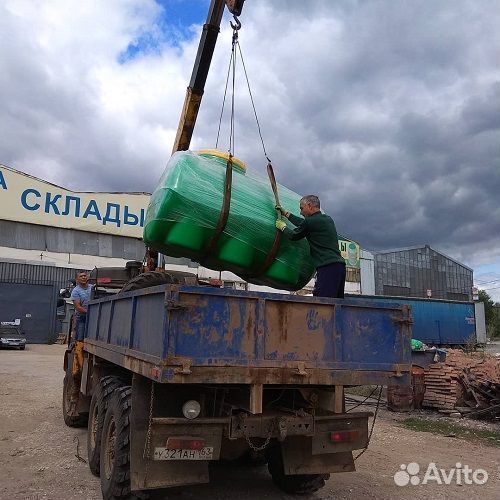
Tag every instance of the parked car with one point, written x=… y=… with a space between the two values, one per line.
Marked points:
x=12 y=336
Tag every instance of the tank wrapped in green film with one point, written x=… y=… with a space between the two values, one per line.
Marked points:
x=185 y=208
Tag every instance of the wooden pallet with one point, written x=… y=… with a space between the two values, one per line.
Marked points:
x=442 y=380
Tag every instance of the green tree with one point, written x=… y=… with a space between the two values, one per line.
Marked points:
x=491 y=313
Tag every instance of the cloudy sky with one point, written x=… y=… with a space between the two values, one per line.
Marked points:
x=389 y=111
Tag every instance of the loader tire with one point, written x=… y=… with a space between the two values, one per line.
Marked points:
x=149 y=279
x=98 y=405
x=297 y=484
x=115 y=449
x=70 y=419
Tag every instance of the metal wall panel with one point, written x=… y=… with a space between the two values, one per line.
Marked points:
x=7 y=233
x=106 y=245
x=117 y=246
x=367 y=273
x=130 y=250
x=439 y=322
x=59 y=240
x=86 y=244
x=34 y=305
x=13 y=272
x=28 y=238
x=480 y=323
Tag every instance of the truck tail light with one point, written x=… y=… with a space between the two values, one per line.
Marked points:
x=103 y=281
x=185 y=443
x=343 y=436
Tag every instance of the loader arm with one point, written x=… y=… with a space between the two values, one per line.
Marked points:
x=201 y=67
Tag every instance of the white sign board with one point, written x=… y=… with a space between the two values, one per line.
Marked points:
x=24 y=198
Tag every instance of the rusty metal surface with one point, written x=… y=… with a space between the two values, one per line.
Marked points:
x=183 y=334
x=321 y=442
x=297 y=458
x=144 y=472
x=161 y=372
x=265 y=425
x=246 y=375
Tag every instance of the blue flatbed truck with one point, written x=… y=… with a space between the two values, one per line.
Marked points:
x=172 y=377
x=175 y=376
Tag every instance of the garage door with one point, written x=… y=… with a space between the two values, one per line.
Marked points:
x=33 y=305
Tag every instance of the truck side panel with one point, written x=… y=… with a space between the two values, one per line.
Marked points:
x=203 y=327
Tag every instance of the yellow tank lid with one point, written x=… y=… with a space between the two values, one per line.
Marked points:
x=225 y=155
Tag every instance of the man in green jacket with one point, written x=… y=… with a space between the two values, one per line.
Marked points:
x=321 y=233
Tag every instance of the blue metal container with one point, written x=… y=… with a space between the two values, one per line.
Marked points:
x=436 y=322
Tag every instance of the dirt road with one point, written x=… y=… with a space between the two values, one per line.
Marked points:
x=37 y=451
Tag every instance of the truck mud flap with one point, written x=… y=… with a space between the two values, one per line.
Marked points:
x=297 y=458
x=330 y=448
x=151 y=463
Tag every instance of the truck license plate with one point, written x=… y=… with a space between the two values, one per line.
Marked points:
x=166 y=454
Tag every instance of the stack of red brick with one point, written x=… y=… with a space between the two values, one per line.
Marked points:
x=442 y=387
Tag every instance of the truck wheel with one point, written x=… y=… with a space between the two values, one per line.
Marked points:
x=298 y=484
x=98 y=404
x=146 y=280
x=70 y=418
x=115 y=448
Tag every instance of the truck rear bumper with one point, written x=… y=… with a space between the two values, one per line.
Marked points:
x=328 y=434
x=310 y=445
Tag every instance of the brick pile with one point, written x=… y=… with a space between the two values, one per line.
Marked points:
x=442 y=386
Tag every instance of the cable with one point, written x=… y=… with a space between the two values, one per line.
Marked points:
x=231 y=133
x=224 y=98
x=364 y=400
x=232 y=65
x=253 y=104
x=373 y=424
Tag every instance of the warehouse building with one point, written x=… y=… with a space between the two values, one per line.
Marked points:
x=421 y=272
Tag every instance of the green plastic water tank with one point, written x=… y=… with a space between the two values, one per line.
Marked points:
x=186 y=206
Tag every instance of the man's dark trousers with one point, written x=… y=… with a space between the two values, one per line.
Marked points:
x=330 y=281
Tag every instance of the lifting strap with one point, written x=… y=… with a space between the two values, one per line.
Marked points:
x=224 y=213
x=277 y=237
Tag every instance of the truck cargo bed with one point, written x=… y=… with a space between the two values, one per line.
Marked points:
x=187 y=334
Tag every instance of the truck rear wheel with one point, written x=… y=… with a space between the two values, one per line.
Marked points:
x=71 y=419
x=298 y=484
x=97 y=412
x=146 y=280
x=115 y=448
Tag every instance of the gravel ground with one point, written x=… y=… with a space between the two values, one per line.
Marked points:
x=38 y=452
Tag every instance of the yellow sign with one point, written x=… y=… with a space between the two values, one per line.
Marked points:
x=350 y=252
x=24 y=198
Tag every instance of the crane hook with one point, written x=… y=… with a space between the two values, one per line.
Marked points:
x=236 y=26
